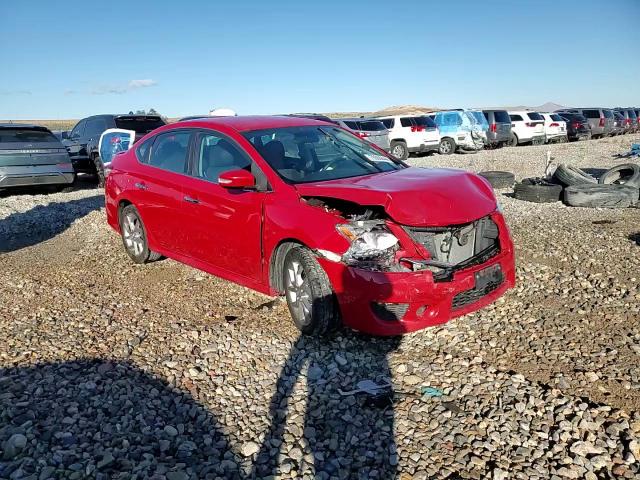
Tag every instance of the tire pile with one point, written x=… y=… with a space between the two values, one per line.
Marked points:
x=618 y=187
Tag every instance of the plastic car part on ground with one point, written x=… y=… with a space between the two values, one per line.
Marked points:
x=601 y=196
x=569 y=175
x=625 y=174
x=499 y=179
x=537 y=190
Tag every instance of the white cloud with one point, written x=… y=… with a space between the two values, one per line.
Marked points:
x=120 y=89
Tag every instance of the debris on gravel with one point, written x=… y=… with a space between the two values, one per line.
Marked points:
x=112 y=370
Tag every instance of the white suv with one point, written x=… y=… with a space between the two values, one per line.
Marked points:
x=555 y=128
x=411 y=134
x=526 y=127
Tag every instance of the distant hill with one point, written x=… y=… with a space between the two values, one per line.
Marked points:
x=393 y=110
x=545 y=107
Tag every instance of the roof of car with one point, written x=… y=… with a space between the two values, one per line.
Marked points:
x=23 y=125
x=256 y=122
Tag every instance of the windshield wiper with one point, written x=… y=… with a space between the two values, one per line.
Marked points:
x=339 y=143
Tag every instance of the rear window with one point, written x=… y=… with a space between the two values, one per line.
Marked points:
x=515 y=118
x=608 y=113
x=19 y=135
x=591 y=113
x=371 y=126
x=141 y=125
x=425 y=122
x=535 y=116
x=555 y=117
x=406 y=122
x=501 y=116
x=388 y=122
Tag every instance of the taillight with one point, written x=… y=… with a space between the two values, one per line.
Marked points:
x=363 y=134
x=554 y=125
x=601 y=122
x=115 y=140
x=493 y=128
x=530 y=124
x=417 y=128
x=577 y=125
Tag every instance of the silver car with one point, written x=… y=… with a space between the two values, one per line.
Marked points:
x=369 y=129
x=600 y=120
x=32 y=155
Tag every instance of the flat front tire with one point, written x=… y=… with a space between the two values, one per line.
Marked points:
x=310 y=298
x=134 y=236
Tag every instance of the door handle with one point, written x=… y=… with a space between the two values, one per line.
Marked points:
x=191 y=199
x=140 y=186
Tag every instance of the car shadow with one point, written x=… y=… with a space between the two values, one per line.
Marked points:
x=42 y=222
x=345 y=435
x=99 y=419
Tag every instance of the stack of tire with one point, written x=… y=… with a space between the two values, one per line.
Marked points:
x=618 y=187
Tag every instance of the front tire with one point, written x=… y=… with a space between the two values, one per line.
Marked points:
x=310 y=298
x=134 y=236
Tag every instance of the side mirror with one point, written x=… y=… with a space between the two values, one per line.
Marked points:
x=237 y=179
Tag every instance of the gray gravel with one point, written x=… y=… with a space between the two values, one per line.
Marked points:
x=112 y=370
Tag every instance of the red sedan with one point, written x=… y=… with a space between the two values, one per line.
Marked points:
x=302 y=208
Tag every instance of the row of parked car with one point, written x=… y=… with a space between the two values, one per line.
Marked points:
x=33 y=155
x=453 y=130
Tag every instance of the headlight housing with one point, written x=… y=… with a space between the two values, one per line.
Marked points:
x=372 y=244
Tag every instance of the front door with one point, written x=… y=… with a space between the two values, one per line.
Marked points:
x=223 y=226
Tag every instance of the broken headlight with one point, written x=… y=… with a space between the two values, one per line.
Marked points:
x=372 y=245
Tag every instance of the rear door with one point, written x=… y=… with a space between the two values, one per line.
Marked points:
x=141 y=124
x=503 y=123
x=26 y=148
x=158 y=184
x=536 y=123
x=375 y=132
x=223 y=226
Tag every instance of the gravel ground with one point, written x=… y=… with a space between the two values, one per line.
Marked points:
x=113 y=370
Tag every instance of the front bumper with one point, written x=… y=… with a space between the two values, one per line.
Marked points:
x=28 y=175
x=423 y=301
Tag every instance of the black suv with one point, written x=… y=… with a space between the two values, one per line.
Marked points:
x=82 y=141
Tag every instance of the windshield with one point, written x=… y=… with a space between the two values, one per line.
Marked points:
x=315 y=154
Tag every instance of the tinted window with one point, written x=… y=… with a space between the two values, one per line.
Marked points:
x=608 y=113
x=535 y=116
x=632 y=114
x=78 y=130
x=501 y=116
x=323 y=153
x=371 y=126
x=142 y=151
x=406 y=122
x=95 y=126
x=217 y=155
x=351 y=125
x=591 y=113
x=15 y=135
x=515 y=118
x=555 y=117
x=451 y=119
x=388 y=122
x=142 y=125
x=169 y=151
x=425 y=122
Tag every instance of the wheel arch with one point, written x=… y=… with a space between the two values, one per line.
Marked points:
x=276 y=261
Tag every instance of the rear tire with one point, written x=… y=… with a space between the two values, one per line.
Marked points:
x=134 y=236
x=99 y=168
x=399 y=150
x=447 y=146
x=513 y=141
x=309 y=295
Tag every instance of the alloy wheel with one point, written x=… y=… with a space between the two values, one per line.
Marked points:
x=299 y=292
x=133 y=234
x=398 y=151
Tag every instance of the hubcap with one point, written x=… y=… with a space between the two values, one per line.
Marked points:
x=133 y=234
x=445 y=147
x=298 y=292
x=398 y=151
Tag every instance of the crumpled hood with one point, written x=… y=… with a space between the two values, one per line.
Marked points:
x=414 y=196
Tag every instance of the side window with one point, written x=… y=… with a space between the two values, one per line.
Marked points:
x=95 y=126
x=216 y=155
x=406 y=122
x=142 y=151
x=351 y=125
x=77 y=130
x=169 y=151
x=515 y=118
x=451 y=119
x=388 y=122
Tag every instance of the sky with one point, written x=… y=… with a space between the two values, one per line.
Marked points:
x=65 y=60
